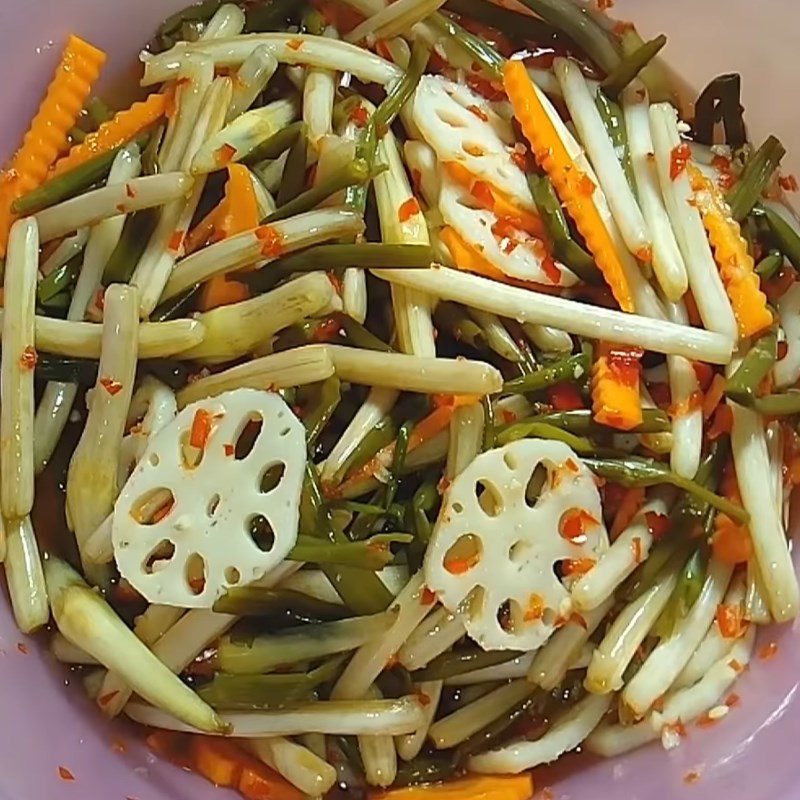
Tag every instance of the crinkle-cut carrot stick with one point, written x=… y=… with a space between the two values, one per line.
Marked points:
x=120 y=129
x=574 y=187
x=615 y=387
x=470 y=787
x=736 y=265
x=467 y=259
x=48 y=134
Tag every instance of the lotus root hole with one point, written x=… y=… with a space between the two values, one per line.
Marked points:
x=464 y=554
x=261 y=532
x=196 y=573
x=536 y=485
x=232 y=575
x=271 y=477
x=152 y=507
x=213 y=505
x=489 y=498
x=159 y=557
x=248 y=437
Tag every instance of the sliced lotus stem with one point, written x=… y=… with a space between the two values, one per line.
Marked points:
x=91 y=624
x=628 y=631
x=437 y=633
x=84 y=339
x=716 y=645
x=300 y=766
x=736 y=265
x=268 y=651
x=239 y=138
x=251 y=79
x=511 y=670
x=263 y=244
x=236 y=330
x=411 y=606
x=354 y=294
x=668 y=263
x=770 y=546
x=193 y=77
x=16 y=372
x=393 y=20
x=92 y=476
x=566 y=734
x=24 y=576
x=95 y=206
x=57 y=399
x=756 y=608
x=410 y=745
x=297 y=367
x=402 y=222
x=319 y=94
x=66 y=251
x=333 y=717
x=455 y=728
x=228 y=21
x=497 y=336
x=378 y=404
x=378 y=753
x=67 y=653
x=149 y=627
x=414 y=373
x=167 y=241
x=592 y=322
x=672 y=654
x=466 y=438
x=704 y=280
x=555 y=659
x=548 y=339
x=680 y=706
x=288 y=48
x=626 y=553
x=589 y=124
x=315 y=583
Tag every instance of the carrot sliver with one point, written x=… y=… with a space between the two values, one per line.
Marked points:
x=241 y=208
x=222 y=291
x=736 y=265
x=122 y=128
x=471 y=787
x=632 y=501
x=571 y=183
x=217 y=761
x=615 y=387
x=48 y=135
x=730 y=542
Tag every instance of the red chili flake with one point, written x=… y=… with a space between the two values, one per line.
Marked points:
x=428 y=597
x=408 y=209
x=623 y=27
x=130 y=191
x=111 y=386
x=478 y=112
x=201 y=429
x=392 y=662
x=272 y=242
x=565 y=397
x=535 y=610
x=732 y=700
x=730 y=620
x=679 y=158
x=359 y=116
x=522 y=157
x=551 y=270
x=508 y=416
x=424 y=699
x=658 y=524
x=736 y=666
x=485 y=88
x=326 y=330
x=229 y=449
x=23 y=648
x=175 y=241
x=224 y=155
x=121 y=208
x=636 y=548
x=658 y=704
x=645 y=254
x=28 y=358
x=604 y=5
x=586 y=185
x=577 y=566
x=336 y=282
x=65 y=774
x=482 y=192
x=572 y=465
x=691 y=777
x=460 y=566
x=100 y=298
x=705 y=721
x=105 y=699
x=788 y=183
x=294 y=44
x=769 y=650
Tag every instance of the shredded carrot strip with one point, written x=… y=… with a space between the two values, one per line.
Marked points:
x=201 y=429
x=615 y=387
x=48 y=134
x=730 y=542
x=632 y=501
x=123 y=127
x=713 y=396
x=241 y=208
x=736 y=265
x=570 y=182
x=471 y=787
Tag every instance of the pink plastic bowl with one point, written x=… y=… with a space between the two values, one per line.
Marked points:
x=47 y=723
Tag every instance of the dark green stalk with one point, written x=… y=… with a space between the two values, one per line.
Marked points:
x=273 y=15
x=398 y=463
x=489 y=427
x=581 y=422
x=769 y=265
x=59 y=280
x=543 y=430
x=758 y=172
x=786 y=238
x=756 y=365
x=460 y=661
x=330 y=395
x=176 y=307
x=371 y=554
x=452 y=319
x=685 y=594
x=491 y=62
x=381 y=435
x=135 y=235
x=785 y=404
x=257 y=601
x=617 y=132
x=293 y=181
x=631 y=65
x=571 y=369
x=721 y=101
x=511 y=23
x=357 y=335
x=274 y=146
x=82 y=371
x=424 y=770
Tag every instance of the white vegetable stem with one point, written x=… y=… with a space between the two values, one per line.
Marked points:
x=579 y=318
x=301 y=767
x=251 y=79
x=227 y=21
x=16 y=373
x=394 y=19
x=25 y=577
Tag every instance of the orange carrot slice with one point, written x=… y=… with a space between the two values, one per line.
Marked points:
x=470 y=787
x=736 y=265
x=615 y=387
x=122 y=128
x=574 y=187
x=48 y=134
x=730 y=542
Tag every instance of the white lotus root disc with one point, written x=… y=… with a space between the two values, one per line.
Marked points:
x=507 y=521
x=214 y=501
